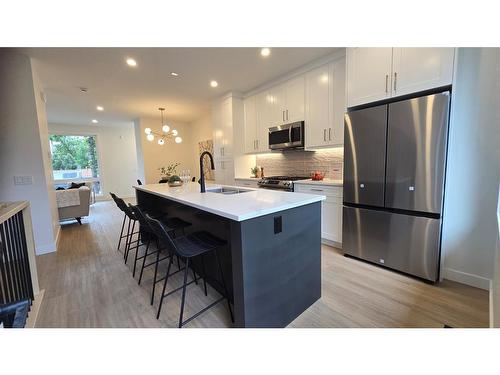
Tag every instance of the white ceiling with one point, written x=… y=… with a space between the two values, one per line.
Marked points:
x=127 y=93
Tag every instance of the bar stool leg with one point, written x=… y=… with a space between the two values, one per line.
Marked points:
x=204 y=273
x=171 y=260
x=130 y=242
x=126 y=238
x=136 y=253
x=121 y=232
x=144 y=259
x=183 y=292
x=156 y=273
x=224 y=285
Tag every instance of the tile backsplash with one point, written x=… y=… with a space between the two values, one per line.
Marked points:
x=303 y=163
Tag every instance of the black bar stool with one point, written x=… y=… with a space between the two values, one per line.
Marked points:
x=173 y=224
x=188 y=247
x=123 y=207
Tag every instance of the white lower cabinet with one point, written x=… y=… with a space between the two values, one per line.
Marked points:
x=331 y=209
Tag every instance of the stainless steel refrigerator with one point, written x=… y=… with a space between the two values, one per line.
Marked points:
x=394 y=167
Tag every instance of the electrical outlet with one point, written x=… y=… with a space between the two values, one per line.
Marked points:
x=23 y=180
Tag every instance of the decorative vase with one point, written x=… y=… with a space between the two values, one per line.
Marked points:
x=175 y=183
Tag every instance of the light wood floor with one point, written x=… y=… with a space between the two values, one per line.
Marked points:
x=87 y=285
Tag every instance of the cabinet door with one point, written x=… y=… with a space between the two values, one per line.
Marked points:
x=337 y=105
x=217 y=129
x=368 y=75
x=227 y=127
x=318 y=106
x=272 y=103
x=251 y=124
x=418 y=69
x=295 y=99
x=264 y=121
x=331 y=220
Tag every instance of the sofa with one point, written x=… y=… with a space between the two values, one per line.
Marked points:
x=76 y=211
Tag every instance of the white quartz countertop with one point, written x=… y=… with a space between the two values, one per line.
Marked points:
x=324 y=182
x=238 y=207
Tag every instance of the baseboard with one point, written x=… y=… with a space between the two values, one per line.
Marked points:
x=35 y=309
x=492 y=315
x=466 y=278
x=338 y=245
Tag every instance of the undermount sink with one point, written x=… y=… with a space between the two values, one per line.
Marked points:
x=227 y=191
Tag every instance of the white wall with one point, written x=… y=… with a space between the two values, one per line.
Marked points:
x=470 y=227
x=116 y=152
x=23 y=129
x=155 y=156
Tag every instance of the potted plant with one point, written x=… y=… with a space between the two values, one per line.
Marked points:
x=254 y=171
x=169 y=171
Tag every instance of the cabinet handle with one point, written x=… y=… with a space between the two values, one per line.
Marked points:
x=387 y=83
x=324 y=134
x=316 y=190
x=287 y=115
x=395 y=80
x=257 y=142
x=254 y=147
x=283 y=115
x=329 y=134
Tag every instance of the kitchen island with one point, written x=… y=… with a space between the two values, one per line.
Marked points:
x=272 y=260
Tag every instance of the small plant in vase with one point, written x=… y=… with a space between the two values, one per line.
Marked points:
x=169 y=171
x=254 y=171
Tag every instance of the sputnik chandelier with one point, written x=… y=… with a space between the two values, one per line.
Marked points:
x=165 y=133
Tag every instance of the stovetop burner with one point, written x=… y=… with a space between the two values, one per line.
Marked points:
x=286 y=178
x=280 y=182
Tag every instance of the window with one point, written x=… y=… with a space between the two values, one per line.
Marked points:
x=75 y=158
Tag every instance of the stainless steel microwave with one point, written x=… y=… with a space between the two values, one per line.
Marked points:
x=287 y=136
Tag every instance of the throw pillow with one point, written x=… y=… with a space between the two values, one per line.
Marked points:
x=76 y=185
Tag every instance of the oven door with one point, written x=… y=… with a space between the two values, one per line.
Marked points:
x=287 y=136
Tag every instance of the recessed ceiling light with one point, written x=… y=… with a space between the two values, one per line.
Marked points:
x=214 y=83
x=174 y=74
x=95 y=121
x=99 y=108
x=265 y=52
x=131 y=62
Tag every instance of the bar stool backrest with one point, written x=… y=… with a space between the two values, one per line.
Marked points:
x=123 y=206
x=139 y=214
x=161 y=231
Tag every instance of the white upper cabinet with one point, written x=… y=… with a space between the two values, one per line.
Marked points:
x=251 y=123
x=256 y=130
x=223 y=128
x=317 y=106
x=418 y=69
x=368 y=75
x=294 y=100
x=379 y=73
x=284 y=104
x=325 y=105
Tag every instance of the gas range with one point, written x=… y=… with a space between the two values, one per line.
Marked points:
x=280 y=182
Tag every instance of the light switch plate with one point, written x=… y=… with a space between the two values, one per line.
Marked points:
x=23 y=180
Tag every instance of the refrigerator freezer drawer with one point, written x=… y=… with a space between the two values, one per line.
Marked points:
x=410 y=244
